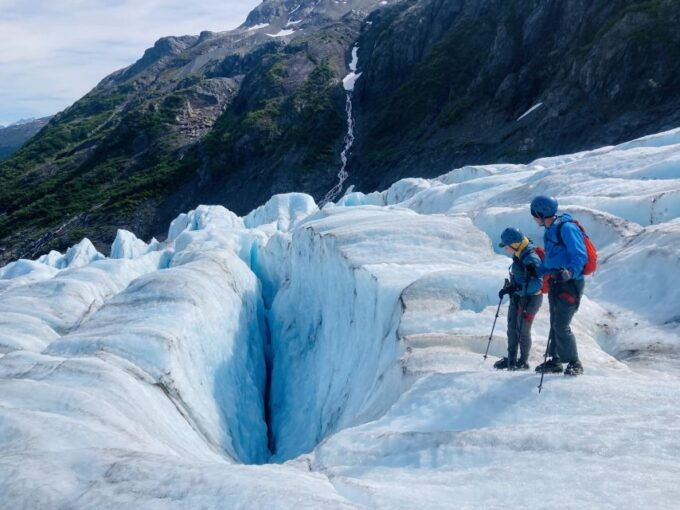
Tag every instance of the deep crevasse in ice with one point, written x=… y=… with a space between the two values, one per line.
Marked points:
x=340 y=310
x=141 y=379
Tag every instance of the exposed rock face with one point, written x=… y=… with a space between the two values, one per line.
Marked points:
x=234 y=117
x=14 y=136
x=283 y=13
x=448 y=83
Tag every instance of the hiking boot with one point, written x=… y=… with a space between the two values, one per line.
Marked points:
x=502 y=364
x=574 y=368
x=551 y=367
x=521 y=366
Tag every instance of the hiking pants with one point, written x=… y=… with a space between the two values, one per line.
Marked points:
x=564 y=299
x=519 y=330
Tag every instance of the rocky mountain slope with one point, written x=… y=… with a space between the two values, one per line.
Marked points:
x=233 y=117
x=448 y=83
x=15 y=135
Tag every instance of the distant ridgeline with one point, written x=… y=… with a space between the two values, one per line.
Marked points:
x=12 y=137
x=233 y=117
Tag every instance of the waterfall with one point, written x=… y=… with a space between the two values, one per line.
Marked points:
x=348 y=84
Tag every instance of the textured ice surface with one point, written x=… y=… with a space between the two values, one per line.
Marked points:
x=140 y=381
x=340 y=310
x=34 y=315
x=127 y=246
x=283 y=212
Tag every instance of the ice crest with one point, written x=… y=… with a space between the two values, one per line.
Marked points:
x=127 y=246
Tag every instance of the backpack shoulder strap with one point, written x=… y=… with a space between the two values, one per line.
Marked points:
x=559 y=231
x=580 y=227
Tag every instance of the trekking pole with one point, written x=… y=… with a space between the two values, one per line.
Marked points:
x=545 y=359
x=547 y=347
x=523 y=309
x=486 y=354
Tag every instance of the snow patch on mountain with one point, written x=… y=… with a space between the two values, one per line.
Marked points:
x=350 y=80
x=282 y=33
x=533 y=108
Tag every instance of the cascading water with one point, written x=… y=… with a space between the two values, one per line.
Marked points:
x=348 y=84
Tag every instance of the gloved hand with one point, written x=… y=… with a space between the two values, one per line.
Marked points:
x=561 y=275
x=504 y=290
x=508 y=288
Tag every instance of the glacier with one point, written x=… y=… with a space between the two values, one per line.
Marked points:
x=306 y=357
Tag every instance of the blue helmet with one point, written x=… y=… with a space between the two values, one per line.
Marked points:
x=543 y=206
x=510 y=236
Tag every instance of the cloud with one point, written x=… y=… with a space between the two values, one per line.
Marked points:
x=55 y=52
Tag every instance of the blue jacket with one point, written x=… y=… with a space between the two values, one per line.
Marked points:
x=571 y=254
x=520 y=274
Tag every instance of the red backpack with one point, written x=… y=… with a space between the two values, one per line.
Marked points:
x=591 y=263
x=546 y=278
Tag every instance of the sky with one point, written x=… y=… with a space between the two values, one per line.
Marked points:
x=55 y=51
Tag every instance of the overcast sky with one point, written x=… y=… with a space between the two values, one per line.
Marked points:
x=54 y=51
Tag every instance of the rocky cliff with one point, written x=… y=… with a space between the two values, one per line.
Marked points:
x=453 y=82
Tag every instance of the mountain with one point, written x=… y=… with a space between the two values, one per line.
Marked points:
x=233 y=117
x=15 y=135
x=449 y=83
x=306 y=358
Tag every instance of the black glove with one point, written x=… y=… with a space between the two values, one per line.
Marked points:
x=561 y=275
x=504 y=290
x=508 y=288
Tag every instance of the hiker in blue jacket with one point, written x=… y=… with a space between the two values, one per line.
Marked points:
x=524 y=288
x=565 y=258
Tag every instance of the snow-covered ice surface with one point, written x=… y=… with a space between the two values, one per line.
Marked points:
x=344 y=347
x=127 y=246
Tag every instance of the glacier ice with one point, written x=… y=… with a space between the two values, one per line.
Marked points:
x=282 y=211
x=196 y=330
x=361 y=314
x=22 y=272
x=80 y=255
x=346 y=344
x=127 y=246
x=34 y=315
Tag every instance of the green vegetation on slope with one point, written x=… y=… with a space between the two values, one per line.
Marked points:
x=87 y=162
x=118 y=155
x=278 y=122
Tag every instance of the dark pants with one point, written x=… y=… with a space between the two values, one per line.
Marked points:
x=519 y=330
x=564 y=299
